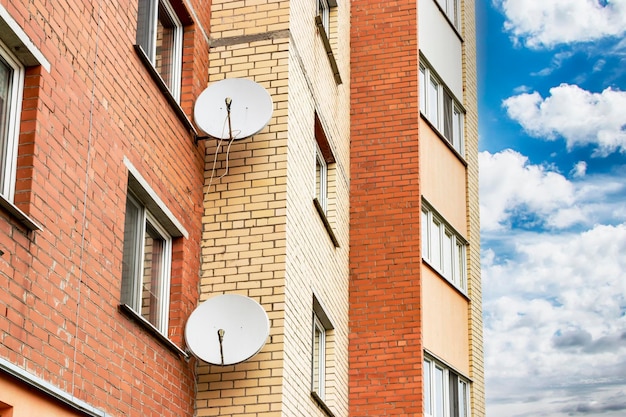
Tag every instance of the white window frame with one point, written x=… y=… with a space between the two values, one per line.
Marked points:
x=160 y=218
x=323 y=11
x=147 y=20
x=439 y=106
x=318 y=368
x=133 y=285
x=439 y=389
x=9 y=138
x=321 y=179
x=452 y=9
x=443 y=248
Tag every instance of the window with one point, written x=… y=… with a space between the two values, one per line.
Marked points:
x=323 y=158
x=446 y=394
x=452 y=9
x=146 y=265
x=323 y=11
x=11 y=85
x=441 y=109
x=150 y=230
x=160 y=36
x=318 y=382
x=321 y=362
x=321 y=179
x=443 y=248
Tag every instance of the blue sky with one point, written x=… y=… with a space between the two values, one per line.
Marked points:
x=552 y=78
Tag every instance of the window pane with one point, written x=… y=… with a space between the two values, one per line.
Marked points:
x=133 y=231
x=463 y=396
x=425 y=237
x=439 y=392
x=323 y=10
x=427 y=389
x=433 y=102
x=435 y=244
x=6 y=76
x=319 y=362
x=321 y=179
x=422 y=90
x=456 y=130
x=447 y=255
x=145 y=27
x=165 y=46
x=151 y=291
x=447 y=116
x=461 y=254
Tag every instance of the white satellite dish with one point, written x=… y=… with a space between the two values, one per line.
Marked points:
x=227 y=329
x=234 y=108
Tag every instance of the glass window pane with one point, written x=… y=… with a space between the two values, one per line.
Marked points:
x=321 y=179
x=6 y=77
x=133 y=231
x=463 y=396
x=447 y=116
x=319 y=362
x=435 y=244
x=422 y=90
x=427 y=389
x=165 y=46
x=447 y=255
x=151 y=290
x=433 y=102
x=439 y=392
x=425 y=237
x=456 y=130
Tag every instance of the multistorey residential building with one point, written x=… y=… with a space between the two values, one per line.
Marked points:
x=351 y=217
x=415 y=294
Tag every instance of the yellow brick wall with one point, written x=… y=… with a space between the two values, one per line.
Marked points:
x=473 y=210
x=262 y=236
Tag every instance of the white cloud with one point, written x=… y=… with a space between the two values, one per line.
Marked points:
x=555 y=324
x=517 y=193
x=510 y=184
x=579 y=170
x=579 y=116
x=546 y=23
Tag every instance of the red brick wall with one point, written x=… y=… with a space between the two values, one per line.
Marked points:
x=385 y=335
x=60 y=287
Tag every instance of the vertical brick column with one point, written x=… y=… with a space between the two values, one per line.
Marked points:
x=385 y=331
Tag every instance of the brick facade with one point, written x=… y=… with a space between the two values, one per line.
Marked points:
x=60 y=286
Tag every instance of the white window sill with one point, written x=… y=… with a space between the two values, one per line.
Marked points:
x=132 y=314
x=320 y=402
x=19 y=215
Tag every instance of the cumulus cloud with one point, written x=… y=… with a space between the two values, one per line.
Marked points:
x=544 y=24
x=579 y=116
x=555 y=322
x=515 y=193
x=512 y=187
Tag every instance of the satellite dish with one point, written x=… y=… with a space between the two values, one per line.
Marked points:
x=227 y=329
x=234 y=108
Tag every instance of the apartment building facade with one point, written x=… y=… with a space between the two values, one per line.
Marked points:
x=415 y=295
x=119 y=216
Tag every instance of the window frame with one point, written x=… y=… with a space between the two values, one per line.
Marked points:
x=9 y=139
x=323 y=11
x=134 y=296
x=442 y=110
x=433 y=238
x=318 y=368
x=321 y=179
x=452 y=10
x=452 y=389
x=149 y=16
